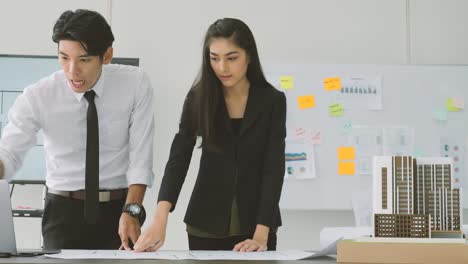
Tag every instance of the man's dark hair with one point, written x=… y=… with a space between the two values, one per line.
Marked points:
x=87 y=27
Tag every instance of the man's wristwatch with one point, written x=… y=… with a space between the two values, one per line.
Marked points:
x=135 y=210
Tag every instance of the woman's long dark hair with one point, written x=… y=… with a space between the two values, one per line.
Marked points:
x=208 y=88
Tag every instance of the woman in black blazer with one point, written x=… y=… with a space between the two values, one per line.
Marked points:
x=241 y=120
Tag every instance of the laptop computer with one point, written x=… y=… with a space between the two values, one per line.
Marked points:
x=7 y=229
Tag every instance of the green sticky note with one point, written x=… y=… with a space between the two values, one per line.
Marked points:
x=450 y=106
x=336 y=110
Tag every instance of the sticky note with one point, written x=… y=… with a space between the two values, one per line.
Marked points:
x=440 y=114
x=332 y=83
x=459 y=102
x=300 y=132
x=450 y=106
x=347 y=127
x=346 y=168
x=286 y=82
x=315 y=137
x=346 y=153
x=419 y=153
x=336 y=110
x=306 y=101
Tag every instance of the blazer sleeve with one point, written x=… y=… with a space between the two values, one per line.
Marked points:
x=273 y=170
x=179 y=157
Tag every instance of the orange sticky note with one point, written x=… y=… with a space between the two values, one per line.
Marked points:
x=346 y=153
x=346 y=168
x=332 y=83
x=306 y=101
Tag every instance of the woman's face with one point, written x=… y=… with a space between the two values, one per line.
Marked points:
x=229 y=62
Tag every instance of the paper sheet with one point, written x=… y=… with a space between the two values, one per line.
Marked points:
x=328 y=250
x=331 y=235
x=368 y=143
x=450 y=147
x=300 y=160
x=372 y=141
x=361 y=92
x=307 y=135
x=184 y=254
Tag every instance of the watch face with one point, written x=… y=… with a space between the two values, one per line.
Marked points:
x=134 y=209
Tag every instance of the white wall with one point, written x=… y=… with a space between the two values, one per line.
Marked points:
x=167 y=37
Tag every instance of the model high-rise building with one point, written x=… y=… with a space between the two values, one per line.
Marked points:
x=414 y=197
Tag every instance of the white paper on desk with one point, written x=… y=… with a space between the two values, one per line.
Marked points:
x=326 y=251
x=329 y=235
x=117 y=254
x=182 y=254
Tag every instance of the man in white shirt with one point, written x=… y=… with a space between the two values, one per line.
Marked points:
x=97 y=121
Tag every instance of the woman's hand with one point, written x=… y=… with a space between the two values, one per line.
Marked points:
x=257 y=243
x=250 y=245
x=153 y=238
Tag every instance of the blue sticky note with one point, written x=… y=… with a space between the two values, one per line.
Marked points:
x=440 y=114
x=418 y=153
x=347 y=127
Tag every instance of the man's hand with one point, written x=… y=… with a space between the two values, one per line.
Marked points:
x=129 y=226
x=129 y=230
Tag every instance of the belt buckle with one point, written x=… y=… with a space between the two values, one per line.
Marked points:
x=104 y=196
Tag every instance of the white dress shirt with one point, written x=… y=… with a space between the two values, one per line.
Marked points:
x=124 y=102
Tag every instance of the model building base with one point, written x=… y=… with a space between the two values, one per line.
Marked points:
x=411 y=240
x=352 y=251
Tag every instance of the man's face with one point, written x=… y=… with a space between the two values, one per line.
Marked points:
x=81 y=69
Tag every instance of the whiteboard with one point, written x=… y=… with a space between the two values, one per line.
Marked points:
x=413 y=97
x=16 y=73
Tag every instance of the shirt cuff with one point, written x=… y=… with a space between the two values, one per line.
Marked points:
x=8 y=170
x=140 y=176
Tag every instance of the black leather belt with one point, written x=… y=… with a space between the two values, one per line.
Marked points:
x=104 y=196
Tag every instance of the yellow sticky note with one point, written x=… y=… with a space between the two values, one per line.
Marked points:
x=346 y=153
x=450 y=106
x=287 y=82
x=306 y=101
x=332 y=83
x=346 y=168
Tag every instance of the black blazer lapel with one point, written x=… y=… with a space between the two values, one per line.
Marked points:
x=224 y=115
x=253 y=108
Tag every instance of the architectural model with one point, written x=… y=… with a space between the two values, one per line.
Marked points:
x=414 y=198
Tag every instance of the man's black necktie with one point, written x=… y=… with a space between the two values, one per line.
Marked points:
x=91 y=206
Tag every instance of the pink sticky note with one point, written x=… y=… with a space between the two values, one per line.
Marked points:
x=459 y=102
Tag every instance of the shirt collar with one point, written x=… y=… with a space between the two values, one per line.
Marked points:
x=98 y=88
